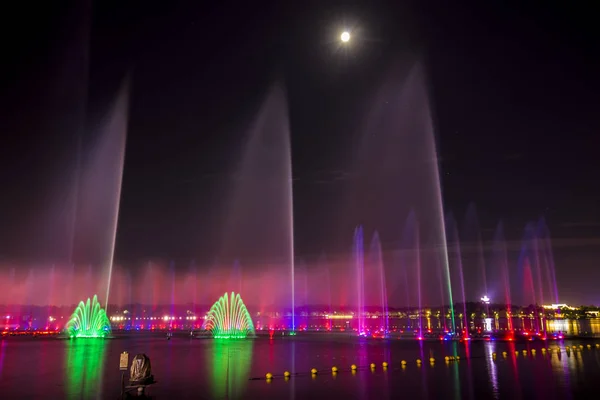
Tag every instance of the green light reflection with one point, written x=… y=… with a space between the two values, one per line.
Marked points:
x=84 y=368
x=229 y=365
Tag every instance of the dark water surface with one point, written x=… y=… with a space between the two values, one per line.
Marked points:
x=209 y=369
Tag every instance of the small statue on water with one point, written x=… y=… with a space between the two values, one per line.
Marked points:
x=141 y=373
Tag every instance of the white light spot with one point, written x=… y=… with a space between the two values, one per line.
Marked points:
x=345 y=36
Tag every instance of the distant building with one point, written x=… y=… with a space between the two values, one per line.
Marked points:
x=558 y=306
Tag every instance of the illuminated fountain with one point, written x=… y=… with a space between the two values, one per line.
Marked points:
x=404 y=278
x=455 y=251
x=359 y=264
x=258 y=229
x=89 y=320
x=229 y=318
x=378 y=282
x=499 y=257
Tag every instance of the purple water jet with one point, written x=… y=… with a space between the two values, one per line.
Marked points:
x=359 y=268
x=499 y=262
x=378 y=283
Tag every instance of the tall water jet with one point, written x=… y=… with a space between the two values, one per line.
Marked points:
x=454 y=245
x=528 y=265
x=440 y=232
x=545 y=248
x=259 y=226
x=359 y=266
x=173 y=291
x=499 y=262
x=378 y=283
x=100 y=194
x=409 y=259
x=397 y=167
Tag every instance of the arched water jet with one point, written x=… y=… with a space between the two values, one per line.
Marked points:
x=89 y=320
x=229 y=318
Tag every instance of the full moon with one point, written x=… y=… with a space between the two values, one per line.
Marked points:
x=345 y=36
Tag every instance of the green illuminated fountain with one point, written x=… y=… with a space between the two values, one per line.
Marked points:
x=229 y=318
x=89 y=320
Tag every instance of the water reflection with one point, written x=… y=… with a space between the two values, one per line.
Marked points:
x=583 y=327
x=2 y=350
x=512 y=354
x=424 y=385
x=560 y=367
x=455 y=352
x=492 y=369
x=363 y=360
x=293 y=382
x=456 y=380
x=85 y=368
x=229 y=364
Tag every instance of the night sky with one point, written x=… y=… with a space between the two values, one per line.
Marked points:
x=513 y=90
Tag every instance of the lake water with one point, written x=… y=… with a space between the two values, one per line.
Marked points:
x=208 y=369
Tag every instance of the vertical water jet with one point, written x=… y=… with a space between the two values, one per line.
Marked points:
x=259 y=230
x=359 y=265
